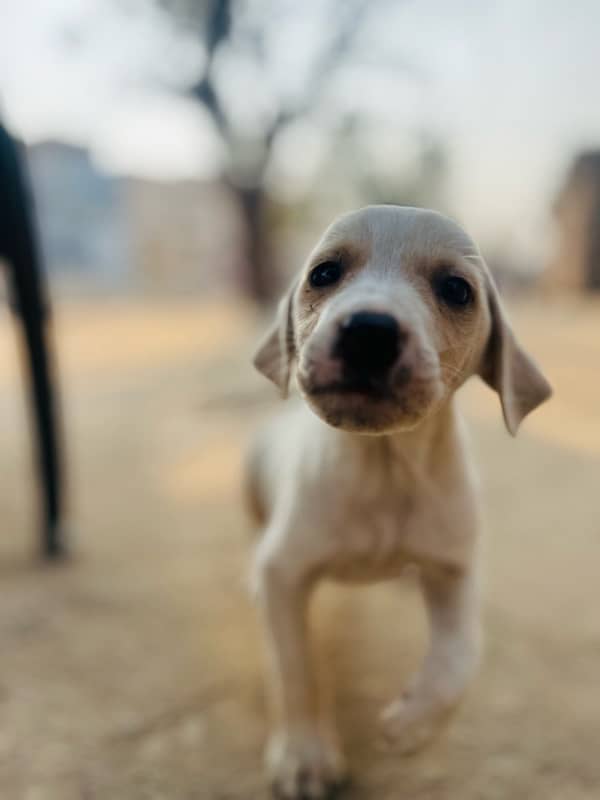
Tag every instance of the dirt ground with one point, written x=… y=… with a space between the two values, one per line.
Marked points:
x=134 y=670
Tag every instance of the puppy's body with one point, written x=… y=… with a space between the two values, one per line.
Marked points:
x=370 y=505
x=394 y=310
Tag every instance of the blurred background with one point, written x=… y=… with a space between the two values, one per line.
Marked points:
x=182 y=157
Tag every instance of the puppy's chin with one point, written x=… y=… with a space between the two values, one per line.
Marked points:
x=374 y=413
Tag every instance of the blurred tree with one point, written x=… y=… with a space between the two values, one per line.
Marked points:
x=237 y=32
x=423 y=184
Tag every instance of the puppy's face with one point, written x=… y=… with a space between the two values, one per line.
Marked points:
x=388 y=318
x=393 y=311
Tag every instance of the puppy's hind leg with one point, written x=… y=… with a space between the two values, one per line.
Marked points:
x=452 y=601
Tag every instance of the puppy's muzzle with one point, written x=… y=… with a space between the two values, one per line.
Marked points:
x=368 y=344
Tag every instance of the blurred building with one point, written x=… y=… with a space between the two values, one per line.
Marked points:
x=185 y=235
x=110 y=233
x=576 y=264
x=81 y=219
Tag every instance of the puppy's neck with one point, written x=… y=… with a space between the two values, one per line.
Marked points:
x=434 y=439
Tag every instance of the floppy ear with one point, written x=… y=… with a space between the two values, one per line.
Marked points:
x=276 y=352
x=509 y=370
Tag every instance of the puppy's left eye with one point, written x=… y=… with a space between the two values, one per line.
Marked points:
x=454 y=291
x=325 y=274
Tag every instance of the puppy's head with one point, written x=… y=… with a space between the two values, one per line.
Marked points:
x=393 y=311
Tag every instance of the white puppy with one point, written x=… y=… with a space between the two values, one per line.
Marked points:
x=393 y=311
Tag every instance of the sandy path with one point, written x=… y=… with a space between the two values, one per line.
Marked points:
x=134 y=670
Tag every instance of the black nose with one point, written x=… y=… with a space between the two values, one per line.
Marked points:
x=368 y=343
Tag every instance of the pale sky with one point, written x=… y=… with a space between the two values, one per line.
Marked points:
x=511 y=85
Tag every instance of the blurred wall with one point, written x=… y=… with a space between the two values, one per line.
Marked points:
x=104 y=233
x=81 y=219
x=185 y=235
x=575 y=265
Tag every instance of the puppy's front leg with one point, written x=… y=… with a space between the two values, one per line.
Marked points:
x=452 y=601
x=303 y=758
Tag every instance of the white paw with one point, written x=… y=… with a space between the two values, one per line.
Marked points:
x=304 y=765
x=408 y=724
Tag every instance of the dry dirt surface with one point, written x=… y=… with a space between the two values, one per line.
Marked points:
x=134 y=670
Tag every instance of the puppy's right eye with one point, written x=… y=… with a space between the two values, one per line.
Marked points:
x=455 y=291
x=325 y=274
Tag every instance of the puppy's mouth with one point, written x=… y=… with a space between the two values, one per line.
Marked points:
x=371 y=404
x=368 y=388
x=374 y=388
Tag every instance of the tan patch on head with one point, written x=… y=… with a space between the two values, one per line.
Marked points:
x=342 y=244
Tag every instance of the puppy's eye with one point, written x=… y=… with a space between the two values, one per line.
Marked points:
x=325 y=274
x=454 y=291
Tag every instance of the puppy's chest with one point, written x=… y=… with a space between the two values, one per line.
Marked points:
x=369 y=545
x=385 y=523
x=370 y=529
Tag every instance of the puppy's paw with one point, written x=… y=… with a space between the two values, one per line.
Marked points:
x=304 y=766
x=407 y=725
